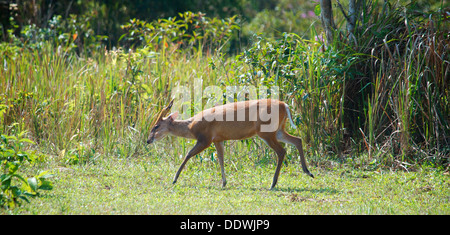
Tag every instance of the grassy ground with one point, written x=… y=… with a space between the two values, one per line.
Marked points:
x=143 y=185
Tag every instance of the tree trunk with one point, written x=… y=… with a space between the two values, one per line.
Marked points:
x=326 y=16
x=352 y=9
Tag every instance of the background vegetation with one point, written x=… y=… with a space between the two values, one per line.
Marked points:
x=80 y=82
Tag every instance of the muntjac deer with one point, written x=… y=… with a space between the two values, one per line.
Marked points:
x=233 y=121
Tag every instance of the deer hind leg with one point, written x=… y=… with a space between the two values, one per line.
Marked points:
x=281 y=152
x=198 y=148
x=297 y=142
x=219 y=148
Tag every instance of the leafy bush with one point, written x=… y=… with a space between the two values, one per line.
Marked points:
x=12 y=157
x=382 y=92
x=72 y=34
x=191 y=30
x=310 y=80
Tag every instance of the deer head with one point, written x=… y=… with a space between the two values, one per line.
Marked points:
x=161 y=127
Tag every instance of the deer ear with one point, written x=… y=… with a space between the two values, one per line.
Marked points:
x=173 y=116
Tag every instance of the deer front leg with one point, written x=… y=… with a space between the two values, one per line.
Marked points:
x=198 y=148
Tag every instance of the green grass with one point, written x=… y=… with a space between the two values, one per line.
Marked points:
x=143 y=185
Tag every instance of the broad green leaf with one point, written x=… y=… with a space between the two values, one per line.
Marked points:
x=12 y=167
x=44 y=175
x=27 y=140
x=46 y=185
x=317 y=10
x=33 y=183
x=20 y=178
x=24 y=198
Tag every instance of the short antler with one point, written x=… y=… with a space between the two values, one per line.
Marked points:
x=166 y=110
x=170 y=105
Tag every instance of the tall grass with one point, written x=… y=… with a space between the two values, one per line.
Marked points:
x=86 y=106
x=382 y=99
x=407 y=88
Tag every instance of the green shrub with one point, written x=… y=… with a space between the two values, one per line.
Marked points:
x=190 y=31
x=72 y=34
x=15 y=187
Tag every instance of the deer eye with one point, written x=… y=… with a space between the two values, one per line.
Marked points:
x=156 y=127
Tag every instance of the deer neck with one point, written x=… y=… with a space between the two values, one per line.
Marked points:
x=181 y=128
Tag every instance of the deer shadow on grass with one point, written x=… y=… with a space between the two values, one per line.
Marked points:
x=324 y=190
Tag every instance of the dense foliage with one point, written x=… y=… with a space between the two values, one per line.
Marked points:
x=385 y=93
x=15 y=187
x=83 y=79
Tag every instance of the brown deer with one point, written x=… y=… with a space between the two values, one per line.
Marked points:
x=233 y=121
